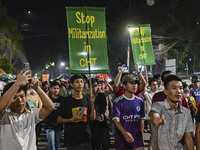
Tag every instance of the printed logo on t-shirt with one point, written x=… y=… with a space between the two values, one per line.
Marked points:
x=131 y=118
x=77 y=110
x=56 y=105
x=138 y=108
x=32 y=104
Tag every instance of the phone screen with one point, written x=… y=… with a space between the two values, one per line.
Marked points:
x=81 y=110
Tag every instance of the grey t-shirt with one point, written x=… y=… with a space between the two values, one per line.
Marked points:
x=169 y=135
x=17 y=132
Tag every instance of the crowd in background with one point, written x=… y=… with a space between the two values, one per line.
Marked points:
x=163 y=105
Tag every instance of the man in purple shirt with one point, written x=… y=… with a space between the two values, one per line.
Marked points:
x=128 y=114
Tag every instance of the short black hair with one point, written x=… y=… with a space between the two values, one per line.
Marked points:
x=95 y=80
x=101 y=81
x=195 y=77
x=171 y=78
x=156 y=76
x=152 y=80
x=195 y=81
x=164 y=73
x=57 y=80
x=185 y=85
x=54 y=84
x=74 y=77
x=84 y=77
x=8 y=86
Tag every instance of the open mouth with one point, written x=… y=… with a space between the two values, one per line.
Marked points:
x=178 y=96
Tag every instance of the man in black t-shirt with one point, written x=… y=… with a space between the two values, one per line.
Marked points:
x=74 y=112
x=52 y=127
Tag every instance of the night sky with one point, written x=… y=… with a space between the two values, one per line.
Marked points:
x=45 y=29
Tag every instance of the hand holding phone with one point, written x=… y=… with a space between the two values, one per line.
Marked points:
x=81 y=110
x=79 y=115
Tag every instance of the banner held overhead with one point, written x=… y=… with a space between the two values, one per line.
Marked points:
x=141 y=43
x=87 y=40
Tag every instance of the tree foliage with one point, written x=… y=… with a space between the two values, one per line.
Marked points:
x=10 y=36
x=6 y=65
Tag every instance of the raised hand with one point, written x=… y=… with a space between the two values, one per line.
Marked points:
x=121 y=69
x=137 y=67
x=23 y=78
x=34 y=84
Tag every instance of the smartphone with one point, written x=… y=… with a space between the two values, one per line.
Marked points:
x=25 y=66
x=81 y=109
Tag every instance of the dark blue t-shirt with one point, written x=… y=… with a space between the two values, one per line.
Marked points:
x=130 y=112
x=195 y=94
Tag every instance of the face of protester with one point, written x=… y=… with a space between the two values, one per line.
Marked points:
x=55 y=90
x=131 y=87
x=18 y=102
x=159 y=81
x=78 y=85
x=154 y=86
x=197 y=85
x=95 y=87
x=46 y=86
x=186 y=90
x=67 y=84
x=174 y=91
x=102 y=85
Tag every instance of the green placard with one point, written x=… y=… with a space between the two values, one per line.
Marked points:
x=87 y=40
x=141 y=44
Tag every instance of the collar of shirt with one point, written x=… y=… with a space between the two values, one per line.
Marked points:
x=168 y=107
x=25 y=111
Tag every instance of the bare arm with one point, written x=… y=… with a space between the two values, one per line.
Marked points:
x=197 y=136
x=129 y=138
x=189 y=141
x=142 y=80
x=39 y=103
x=142 y=129
x=5 y=100
x=48 y=105
x=109 y=90
x=118 y=78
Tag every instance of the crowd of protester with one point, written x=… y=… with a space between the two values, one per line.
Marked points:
x=85 y=113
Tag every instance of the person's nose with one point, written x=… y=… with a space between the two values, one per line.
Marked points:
x=19 y=99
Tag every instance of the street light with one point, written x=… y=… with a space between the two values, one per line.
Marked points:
x=62 y=64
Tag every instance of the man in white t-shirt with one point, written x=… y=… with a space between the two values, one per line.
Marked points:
x=17 y=124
